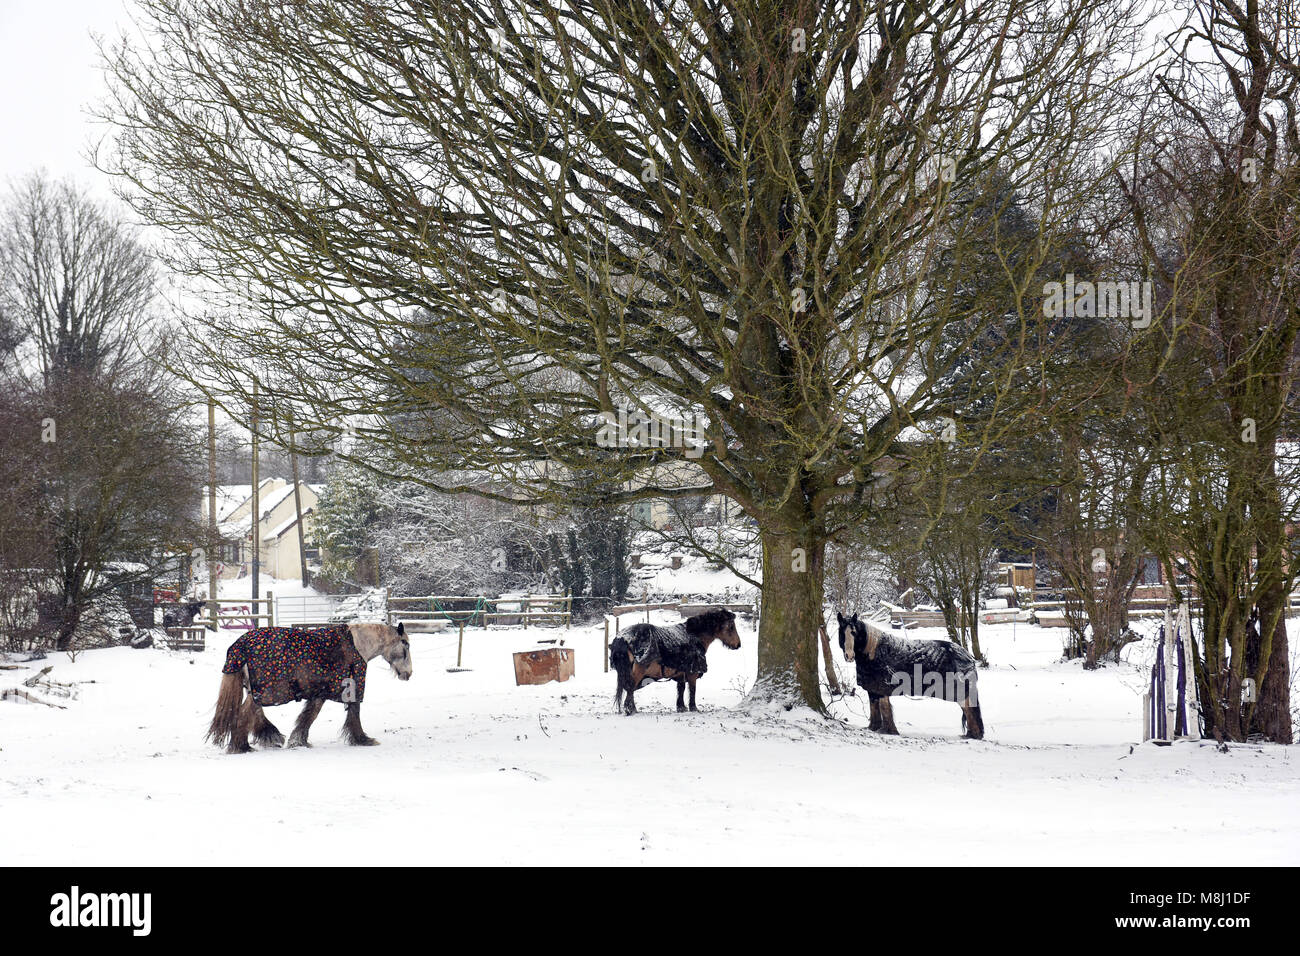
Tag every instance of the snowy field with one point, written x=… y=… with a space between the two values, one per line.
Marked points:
x=474 y=770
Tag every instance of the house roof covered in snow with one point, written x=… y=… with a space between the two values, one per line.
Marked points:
x=285 y=526
x=229 y=497
x=272 y=499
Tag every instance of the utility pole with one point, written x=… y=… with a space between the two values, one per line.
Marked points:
x=297 y=507
x=214 y=545
x=257 y=506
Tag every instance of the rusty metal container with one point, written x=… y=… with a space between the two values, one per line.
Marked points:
x=541 y=667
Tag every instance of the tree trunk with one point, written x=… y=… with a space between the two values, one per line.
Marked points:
x=792 y=614
x=952 y=621
x=828 y=662
x=1272 y=716
x=69 y=618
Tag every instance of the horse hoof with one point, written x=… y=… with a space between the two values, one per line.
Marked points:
x=276 y=741
x=295 y=744
x=366 y=742
x=681 y=710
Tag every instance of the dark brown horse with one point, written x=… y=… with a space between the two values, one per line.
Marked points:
x=890 y=666
x=280 y=664
x=644 y=653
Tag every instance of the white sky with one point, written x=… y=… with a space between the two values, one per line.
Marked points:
x=49 y=75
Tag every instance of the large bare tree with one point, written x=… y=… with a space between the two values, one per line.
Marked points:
x=76 y=284
x=95 y=449
x=485 y=225
x=1215 y=190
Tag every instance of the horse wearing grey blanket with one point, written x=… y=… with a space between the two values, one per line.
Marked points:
x=644 y=653
x=891 y=666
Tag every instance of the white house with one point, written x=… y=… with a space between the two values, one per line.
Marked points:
x=277 y=525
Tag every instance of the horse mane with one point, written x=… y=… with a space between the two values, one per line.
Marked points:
x=708 y=622
x=873 y=637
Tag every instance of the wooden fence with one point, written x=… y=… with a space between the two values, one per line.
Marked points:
x=478 y=609
x=240 y=613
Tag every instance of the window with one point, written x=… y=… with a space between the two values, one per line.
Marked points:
x=1150 y=570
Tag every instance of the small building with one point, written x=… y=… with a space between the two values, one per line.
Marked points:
x=277 y=527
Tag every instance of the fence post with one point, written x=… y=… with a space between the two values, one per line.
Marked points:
x=270 y=610
x=216 y=620
x=606 y=644
x=388 y=606
x=460 y=642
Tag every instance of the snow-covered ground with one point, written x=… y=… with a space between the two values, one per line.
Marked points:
x=473 y=769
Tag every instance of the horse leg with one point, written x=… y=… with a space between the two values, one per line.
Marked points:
x=629 y=705
x=681 y=692
x=243 y=726
x=887 y=725
x=305 y=719
x=265 y=732
x=692 y=680
x=875 y=713
x=974 y=720
x=352 y=728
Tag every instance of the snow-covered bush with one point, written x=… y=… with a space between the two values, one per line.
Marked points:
x=424 y=541
x=590 y=558
x=857 y=578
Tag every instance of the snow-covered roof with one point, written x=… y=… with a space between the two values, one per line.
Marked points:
x=236 y=529
x=284 y=526
x=229 y=497
x=271 y=499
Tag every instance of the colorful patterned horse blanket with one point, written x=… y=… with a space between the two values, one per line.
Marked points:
x=670 y=647
x=290 y=663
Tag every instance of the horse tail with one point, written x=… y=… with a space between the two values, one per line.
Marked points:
x=225 y=718
x=622 y=664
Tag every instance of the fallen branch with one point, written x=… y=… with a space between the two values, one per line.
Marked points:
x=17 y=693
x=31 y=681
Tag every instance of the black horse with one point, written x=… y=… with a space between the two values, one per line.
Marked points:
x=890 y=666
x=644 y=653
x=182 y=615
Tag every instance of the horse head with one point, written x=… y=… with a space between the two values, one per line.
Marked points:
x=864 y=640
x=373 y=640
x=715 y=623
